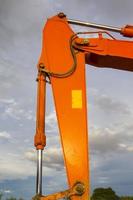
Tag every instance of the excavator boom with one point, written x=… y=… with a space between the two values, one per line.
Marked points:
x=62 y=62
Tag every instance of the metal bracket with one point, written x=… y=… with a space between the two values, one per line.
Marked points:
x=43 y=71
x=78 y=189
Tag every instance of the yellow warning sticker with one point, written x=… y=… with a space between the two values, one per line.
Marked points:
x=77 y=99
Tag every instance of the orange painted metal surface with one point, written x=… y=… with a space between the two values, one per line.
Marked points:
x=127 y=31
x=40 y=138
x=70 y=92
x=109 y=53
x=77 y=190
x=70 y=100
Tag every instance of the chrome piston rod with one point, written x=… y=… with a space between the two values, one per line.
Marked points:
x=93 y=25
x=39 y=172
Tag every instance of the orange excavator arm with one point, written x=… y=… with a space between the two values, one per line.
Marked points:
x=62 y=63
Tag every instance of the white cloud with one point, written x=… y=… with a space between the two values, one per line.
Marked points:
x=128 y=148
x=108 y=141
x=109 y=105
x=104 y=141
x=102 y=180
x=7 y=101
x=11 y=168
x=7 y=191
x=16 y=112
x=14 y=109
x=51 y=119
x=5 y=135
x=52 y=158
x=51 y=123
x=31 y=155
x=23 y=165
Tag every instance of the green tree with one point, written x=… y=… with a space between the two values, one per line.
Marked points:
x=11 y=198
x=1 y=195
x=104 y=194
x=127 y=198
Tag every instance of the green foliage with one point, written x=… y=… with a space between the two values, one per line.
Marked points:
x=11 y=198
x=104 y=194
x=1 y=195
x=127 y=198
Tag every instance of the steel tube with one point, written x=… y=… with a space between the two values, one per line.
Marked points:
x=93 y=25
x=39 y=172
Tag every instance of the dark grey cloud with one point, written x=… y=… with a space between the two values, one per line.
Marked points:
x=52 y=158
x=114 y=12
x=110 y=105
x=21 y=24
x=115 y=172
x=107 y=141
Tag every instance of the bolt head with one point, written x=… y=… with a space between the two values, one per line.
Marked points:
x=61 y=15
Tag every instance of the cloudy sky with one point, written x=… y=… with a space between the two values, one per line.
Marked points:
x=109 y=100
